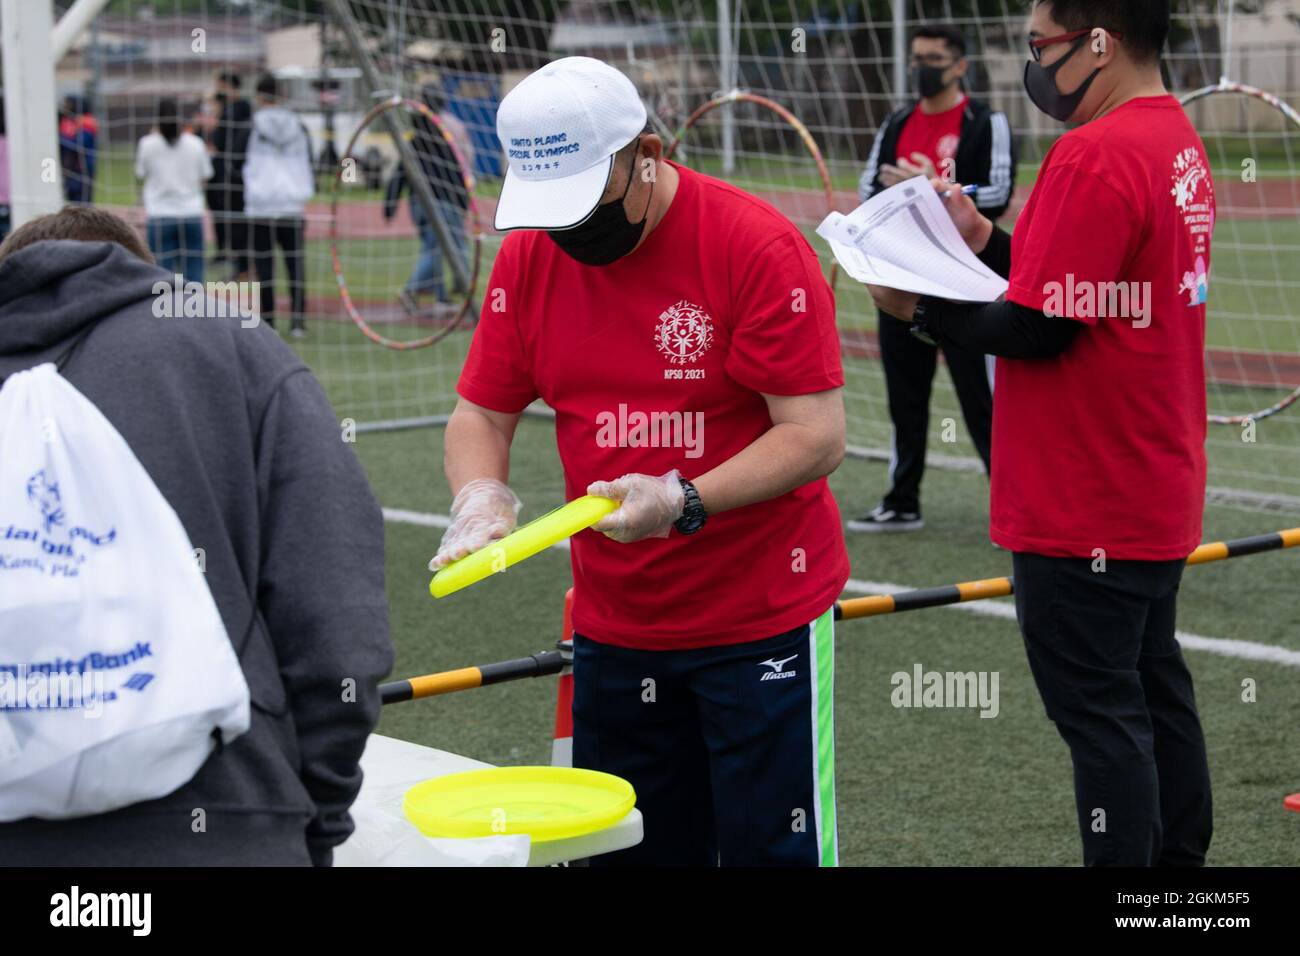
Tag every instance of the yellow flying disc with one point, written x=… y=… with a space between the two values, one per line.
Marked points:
x=546 y=803
x=523 y=543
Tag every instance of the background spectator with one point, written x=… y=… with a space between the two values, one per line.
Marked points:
x=72 y=158
x=446 y=179
x=174 y=166
x=5 y=212
x=225 y=192
x=943 y=133
x=278 y=181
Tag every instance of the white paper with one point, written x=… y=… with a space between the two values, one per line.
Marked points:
x=903 y=238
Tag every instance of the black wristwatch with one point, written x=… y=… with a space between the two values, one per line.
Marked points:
x=693 y=513
x=920 y=326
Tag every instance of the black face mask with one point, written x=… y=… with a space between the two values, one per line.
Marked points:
x=606 y=235
x=928 y=80
x=1040 y=84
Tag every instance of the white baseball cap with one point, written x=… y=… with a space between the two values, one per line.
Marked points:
x=560 y=129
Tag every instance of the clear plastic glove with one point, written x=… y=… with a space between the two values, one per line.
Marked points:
x=484 y=511
x=648 y=508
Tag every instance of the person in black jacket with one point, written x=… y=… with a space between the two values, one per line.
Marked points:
x=5 y=212
x=225 y=190
x=949 y=135
x=447 y=181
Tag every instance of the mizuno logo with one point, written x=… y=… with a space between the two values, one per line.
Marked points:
x=776 y=673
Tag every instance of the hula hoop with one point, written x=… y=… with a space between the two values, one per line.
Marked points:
x=475 y=226
x=741 y=96
x=1242 y=89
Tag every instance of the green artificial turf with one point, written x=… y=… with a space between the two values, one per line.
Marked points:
x=942 y=787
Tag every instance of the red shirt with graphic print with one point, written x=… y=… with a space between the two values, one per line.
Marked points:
x=660 y=361
x=934 y=135
x=1103 y=446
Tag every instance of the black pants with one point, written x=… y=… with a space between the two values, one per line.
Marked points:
x=909 y=374
x=226 y=203
x=730 y=748
x=1102 y=649
x=287 y=233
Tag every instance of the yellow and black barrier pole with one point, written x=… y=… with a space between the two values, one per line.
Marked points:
x=878 y=604
x=552 y=662
x=431 y=685
x=1003 y=587
x=1260 y=543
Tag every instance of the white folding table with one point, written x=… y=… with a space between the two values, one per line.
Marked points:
x=384 y=837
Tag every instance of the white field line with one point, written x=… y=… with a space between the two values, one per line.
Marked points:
x=1224 y=647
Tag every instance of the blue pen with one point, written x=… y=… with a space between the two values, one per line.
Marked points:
x=965 y=191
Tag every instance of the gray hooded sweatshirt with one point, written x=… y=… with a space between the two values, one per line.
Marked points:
x=241 y=441
x=278 y=177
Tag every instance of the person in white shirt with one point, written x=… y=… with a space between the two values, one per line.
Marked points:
x=174 y=165
x=278 y=181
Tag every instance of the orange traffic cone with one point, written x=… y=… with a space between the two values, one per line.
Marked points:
x=562 y=745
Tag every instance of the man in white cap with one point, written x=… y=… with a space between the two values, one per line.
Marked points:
x=648 y=304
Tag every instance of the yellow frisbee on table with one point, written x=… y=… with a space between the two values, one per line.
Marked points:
x=537 y=535
x=546 y=803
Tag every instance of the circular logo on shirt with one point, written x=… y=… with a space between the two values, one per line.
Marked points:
x=685 y=333
x=947 y=147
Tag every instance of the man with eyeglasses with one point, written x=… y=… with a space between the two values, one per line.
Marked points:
x=950 y=135
x=1100 y=419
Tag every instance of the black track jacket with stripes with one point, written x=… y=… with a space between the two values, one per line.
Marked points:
x=986 y=155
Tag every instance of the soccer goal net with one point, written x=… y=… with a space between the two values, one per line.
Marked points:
x=781 y=98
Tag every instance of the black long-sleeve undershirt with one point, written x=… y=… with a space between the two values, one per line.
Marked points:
x=997 y=253
x=1002 y=328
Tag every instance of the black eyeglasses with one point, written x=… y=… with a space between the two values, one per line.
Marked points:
x=1036 y=46
x=938 y=61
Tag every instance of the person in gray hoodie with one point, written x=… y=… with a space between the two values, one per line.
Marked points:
x=240 y=439
x=278 y=181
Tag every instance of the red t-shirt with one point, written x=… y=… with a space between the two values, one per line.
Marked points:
x=723 y=301
x=1103 y=446
x=935 y=135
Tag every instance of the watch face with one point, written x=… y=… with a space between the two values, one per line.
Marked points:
x=689 y=524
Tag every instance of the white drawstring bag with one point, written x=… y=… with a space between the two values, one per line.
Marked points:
x=117 y=677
